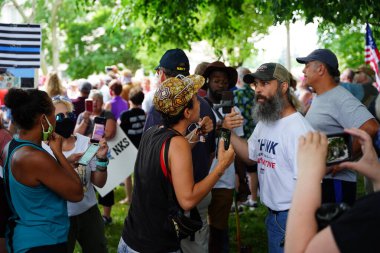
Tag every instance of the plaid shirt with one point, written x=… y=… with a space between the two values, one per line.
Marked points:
x=244 y=99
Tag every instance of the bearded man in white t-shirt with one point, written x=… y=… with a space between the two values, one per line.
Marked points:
x=273 y=144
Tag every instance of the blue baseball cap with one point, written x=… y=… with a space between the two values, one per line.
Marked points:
x=325 y=56
x=175 y=60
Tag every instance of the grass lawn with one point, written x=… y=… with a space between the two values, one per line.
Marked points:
x=251 y=225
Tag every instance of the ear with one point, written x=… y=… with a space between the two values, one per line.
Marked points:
x=187 y=113
x=284 y=87
x=162 y=76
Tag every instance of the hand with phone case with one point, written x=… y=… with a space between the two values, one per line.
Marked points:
x=89 y=105
x=89 y=154
x=99 y=129
x=368 y=165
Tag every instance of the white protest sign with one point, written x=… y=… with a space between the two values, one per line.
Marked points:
x=122 y=156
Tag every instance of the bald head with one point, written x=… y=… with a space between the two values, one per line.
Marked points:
x=242 y=71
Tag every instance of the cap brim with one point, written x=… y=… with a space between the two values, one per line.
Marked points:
x=250 y=78
x=303 y=60
x=156 y=68
x=198 y=82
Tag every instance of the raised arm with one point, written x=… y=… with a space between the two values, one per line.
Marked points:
x=34 y=167
x=181 y=166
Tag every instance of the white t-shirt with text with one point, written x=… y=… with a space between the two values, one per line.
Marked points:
x=274 y=147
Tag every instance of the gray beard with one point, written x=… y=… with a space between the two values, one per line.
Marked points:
x=271 y=109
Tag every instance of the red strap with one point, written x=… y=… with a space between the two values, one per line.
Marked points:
x=163 y=165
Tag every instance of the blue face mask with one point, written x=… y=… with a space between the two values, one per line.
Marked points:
x=46 y=135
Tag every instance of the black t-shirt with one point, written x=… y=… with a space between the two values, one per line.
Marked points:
x=147 y=227
x=357 y=230
x=132 y=122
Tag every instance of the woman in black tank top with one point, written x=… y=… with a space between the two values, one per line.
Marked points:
x=147 y=227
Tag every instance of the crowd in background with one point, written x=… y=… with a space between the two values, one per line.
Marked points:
x=269 y=121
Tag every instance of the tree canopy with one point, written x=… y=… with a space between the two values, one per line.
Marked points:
x=88 y=35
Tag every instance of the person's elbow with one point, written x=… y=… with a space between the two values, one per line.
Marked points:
x=76 y=194
x=100 y=181
x=186 y=204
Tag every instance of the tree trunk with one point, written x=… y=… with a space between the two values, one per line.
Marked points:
x=54 y=34
x=288 y=61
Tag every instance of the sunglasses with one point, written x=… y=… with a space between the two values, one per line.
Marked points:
x=61 y=98
x=60 y=116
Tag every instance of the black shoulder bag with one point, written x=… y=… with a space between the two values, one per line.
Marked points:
x=183 y=225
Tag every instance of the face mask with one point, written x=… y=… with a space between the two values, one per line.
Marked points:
x=64 y=125
x=46 y=135
x=65 y=128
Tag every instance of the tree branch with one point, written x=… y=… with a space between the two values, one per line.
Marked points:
x=22 y=13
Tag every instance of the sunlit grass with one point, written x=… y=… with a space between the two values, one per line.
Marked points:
x=252 y=228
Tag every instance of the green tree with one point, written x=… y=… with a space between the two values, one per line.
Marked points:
x=346 y=41
x=93 y=43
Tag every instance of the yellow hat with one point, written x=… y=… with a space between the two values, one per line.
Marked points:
x=176 y=92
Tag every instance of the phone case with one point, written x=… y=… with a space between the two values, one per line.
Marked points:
x=89 y=154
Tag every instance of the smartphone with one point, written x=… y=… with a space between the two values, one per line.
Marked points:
x=339 y=148
x=99 y=128
x=227 y=101
x=226 y=135
x=89 y=154
x=88 y=105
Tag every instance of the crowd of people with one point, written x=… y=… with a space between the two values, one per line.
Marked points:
x=186 y=167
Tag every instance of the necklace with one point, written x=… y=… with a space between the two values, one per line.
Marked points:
x=175 y=131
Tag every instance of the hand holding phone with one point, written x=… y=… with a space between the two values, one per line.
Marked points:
x=88 y=104
x=99 y=129
x=226 y=135
x=89 y=154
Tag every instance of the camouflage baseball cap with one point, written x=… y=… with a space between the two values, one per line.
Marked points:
x=175 y=92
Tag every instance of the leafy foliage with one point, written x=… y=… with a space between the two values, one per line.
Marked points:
x=93 y=43
x=347 y=42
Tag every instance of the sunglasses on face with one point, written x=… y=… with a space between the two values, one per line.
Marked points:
x=60 y=116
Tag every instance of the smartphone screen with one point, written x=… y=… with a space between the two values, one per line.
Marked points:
x=339 y=148
x=88 y=105
x=99 y=128
x=89 y=154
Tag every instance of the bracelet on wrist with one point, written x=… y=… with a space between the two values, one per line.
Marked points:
x=102 y=159
x=102 y=164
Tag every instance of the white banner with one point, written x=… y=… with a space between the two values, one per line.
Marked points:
x=122 y=156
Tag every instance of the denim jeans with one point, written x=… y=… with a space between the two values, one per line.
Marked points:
x=124 y=248
x=276 y=224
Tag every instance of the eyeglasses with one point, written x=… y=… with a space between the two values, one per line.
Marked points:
x=193 y=129
x=61 y=116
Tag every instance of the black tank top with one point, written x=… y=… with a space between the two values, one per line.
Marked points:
x=147 y=227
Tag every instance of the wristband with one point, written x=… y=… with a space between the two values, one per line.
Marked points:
x=102 y=164
x=105 y=159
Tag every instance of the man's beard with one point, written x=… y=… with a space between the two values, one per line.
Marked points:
x=271 y=109
x=216 y=95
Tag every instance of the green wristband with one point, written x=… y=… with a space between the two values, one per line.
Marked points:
x=102 y=164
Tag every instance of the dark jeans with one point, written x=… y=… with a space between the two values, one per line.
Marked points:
x=338 y=191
